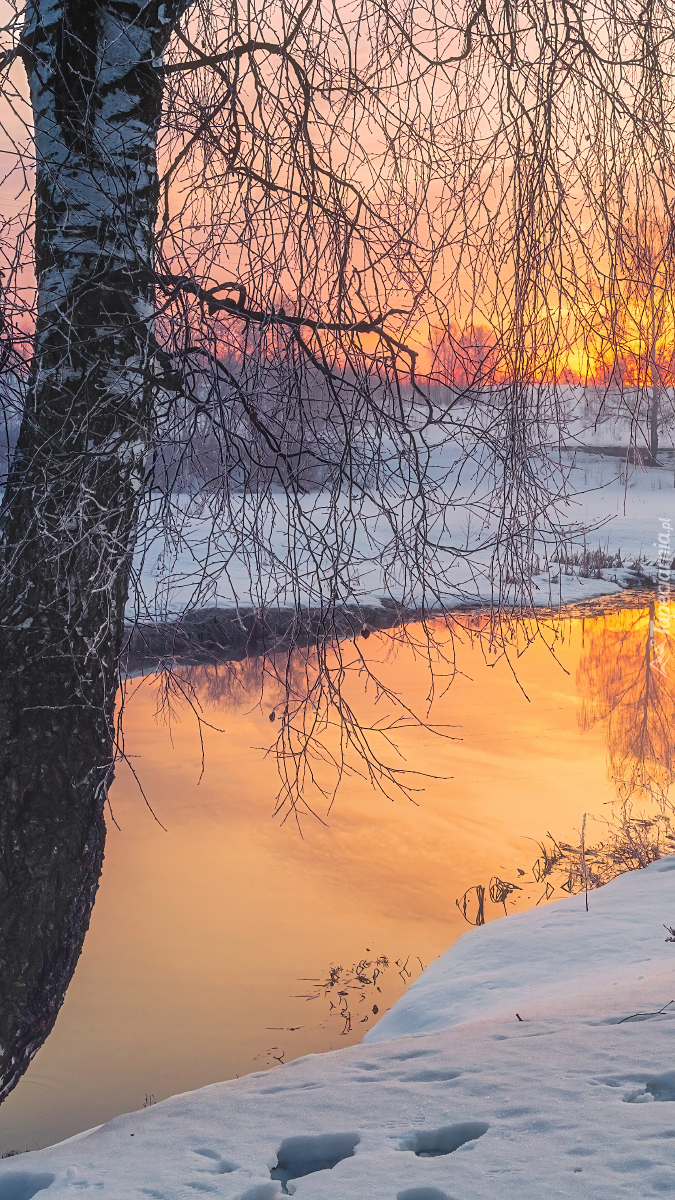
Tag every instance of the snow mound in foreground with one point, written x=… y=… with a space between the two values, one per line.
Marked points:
x=453 y=1097
x=545 y=954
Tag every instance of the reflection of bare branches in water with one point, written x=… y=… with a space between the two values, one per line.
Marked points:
x=350 y=990
x=366 y=989
x=314 y=700
x=499 y=891
x=273 y=1054
x=475 y=894
x=624 y=686
x=622 y=683
x=631 y=841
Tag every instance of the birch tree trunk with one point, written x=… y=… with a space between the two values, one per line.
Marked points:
x=68 y=515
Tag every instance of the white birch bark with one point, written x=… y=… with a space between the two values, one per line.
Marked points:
x=69 y=509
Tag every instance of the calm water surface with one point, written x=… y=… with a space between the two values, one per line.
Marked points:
x=205 y=933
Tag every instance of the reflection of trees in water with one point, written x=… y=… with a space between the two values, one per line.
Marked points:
x=623 y=682
x=231 y=686
x=331 y=713
x=334 y=712
x=52 y=835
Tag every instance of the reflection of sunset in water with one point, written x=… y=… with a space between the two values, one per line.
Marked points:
x=201 y=933
x=628 y=684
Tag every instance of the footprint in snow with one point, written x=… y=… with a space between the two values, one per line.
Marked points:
x=219 y=1165
x=261 y=1191
x=431 y=1075
x=23 y=1185
x=423 y=1193
x=299 y=1156
x=407 y=1054
x=432 y=1143
x=657 y=1087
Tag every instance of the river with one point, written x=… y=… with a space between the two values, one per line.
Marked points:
x=215 y=919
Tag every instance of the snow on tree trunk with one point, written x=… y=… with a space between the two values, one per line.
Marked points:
x=68 y=514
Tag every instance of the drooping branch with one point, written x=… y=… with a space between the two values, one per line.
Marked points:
x=420 y=210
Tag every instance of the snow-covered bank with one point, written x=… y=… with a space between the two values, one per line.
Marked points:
x=545 y=954
x=637 y=508
x=571 y=1101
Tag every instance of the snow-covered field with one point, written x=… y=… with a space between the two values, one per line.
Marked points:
x=621 y=505
x=628 y=504
x=452 y=1097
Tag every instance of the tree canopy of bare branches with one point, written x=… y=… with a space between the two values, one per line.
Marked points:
x=241 y=244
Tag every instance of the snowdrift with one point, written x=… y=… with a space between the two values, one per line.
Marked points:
x=453 y=1096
